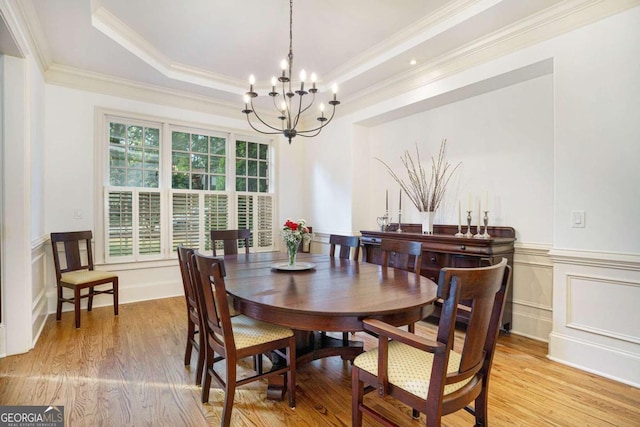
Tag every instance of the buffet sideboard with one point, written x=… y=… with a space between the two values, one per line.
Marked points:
x=443 y=249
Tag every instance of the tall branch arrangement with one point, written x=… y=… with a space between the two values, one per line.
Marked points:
x=426 y=196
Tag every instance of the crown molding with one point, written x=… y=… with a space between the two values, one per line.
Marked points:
x=22 y=20
x=121 y=33
x=76 y=78
x=419 y=32
x=544 y=25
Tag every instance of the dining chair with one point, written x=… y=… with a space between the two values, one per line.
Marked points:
x=234 y=338
x=194 y=320
x=344 y=243
x=429 y=375
x=78 y=272
x=230 y=240
x=400 y=253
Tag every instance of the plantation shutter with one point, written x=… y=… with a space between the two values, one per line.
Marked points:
x=186 y=220
x=264 y=227
x=149 y=235
x=216 y=216
x=120 y=223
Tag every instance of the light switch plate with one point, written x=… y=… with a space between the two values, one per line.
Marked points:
x=578 y=219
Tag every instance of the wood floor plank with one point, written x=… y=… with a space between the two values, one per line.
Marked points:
x=128 y=371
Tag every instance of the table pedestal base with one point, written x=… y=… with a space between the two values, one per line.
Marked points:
x=311 y=346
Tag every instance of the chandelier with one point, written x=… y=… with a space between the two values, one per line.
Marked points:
x=290 y=108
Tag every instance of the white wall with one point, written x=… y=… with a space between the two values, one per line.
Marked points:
x=578 y=150
x=504 y=140
x=597 y=268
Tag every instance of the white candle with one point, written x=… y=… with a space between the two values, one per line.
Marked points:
x=400 y=201
x=387 y=200
x=459 y=213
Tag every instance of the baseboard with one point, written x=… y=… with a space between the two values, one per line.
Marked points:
x=620 y=366
x=126 y=295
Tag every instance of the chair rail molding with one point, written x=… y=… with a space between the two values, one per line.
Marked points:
x=595 y=314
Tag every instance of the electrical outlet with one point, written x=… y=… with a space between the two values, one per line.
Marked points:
x=578 y=219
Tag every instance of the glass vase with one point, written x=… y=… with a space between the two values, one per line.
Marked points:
x=292 y=250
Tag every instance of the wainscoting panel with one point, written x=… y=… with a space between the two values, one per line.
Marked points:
x=620 y=321
x=532 y=291
x=39 y=305
x=596 y=316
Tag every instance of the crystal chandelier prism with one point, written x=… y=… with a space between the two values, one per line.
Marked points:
x=293 y=102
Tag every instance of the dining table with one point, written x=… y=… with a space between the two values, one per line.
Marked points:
x=322 y=294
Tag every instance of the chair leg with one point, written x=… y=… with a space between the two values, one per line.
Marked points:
x=90 y=299
x=229 y=394
x=357 y=392
x=291 y=375
x=201 y=356
x=59 y=309
x=480 y=407
x=206 y=382
x=191 y=330
x=257 y=363
x=76 y=303
x=412 y=328
x=115 y=296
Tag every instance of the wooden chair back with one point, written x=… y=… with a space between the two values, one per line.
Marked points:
x=195 y=337
x=212 y=297
x=403 y=254
x=485 y=288
x=345 y=243
x=230 y=239
x=184 y=259
x=72 y=251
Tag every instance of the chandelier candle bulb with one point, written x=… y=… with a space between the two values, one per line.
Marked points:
x=313 y=80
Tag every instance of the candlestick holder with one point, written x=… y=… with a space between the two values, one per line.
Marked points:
x=486 y=224
x=399 y=230
x=459 y=233
x=469 y=234
x=478 y=234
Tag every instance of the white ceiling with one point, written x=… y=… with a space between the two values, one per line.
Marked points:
x=210 y=47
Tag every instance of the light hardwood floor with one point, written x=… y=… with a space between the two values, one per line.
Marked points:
x=128 y=371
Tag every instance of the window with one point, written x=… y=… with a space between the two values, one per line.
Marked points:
x=166 y=184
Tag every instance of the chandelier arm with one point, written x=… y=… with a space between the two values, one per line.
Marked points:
x=255 y=113
x=277 y=131
x=309 y=136
x=264 y=123
x=326 y=122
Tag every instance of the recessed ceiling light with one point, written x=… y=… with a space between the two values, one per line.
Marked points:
x=413 y=62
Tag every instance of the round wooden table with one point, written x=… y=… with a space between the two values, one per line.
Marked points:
x=334 y=296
